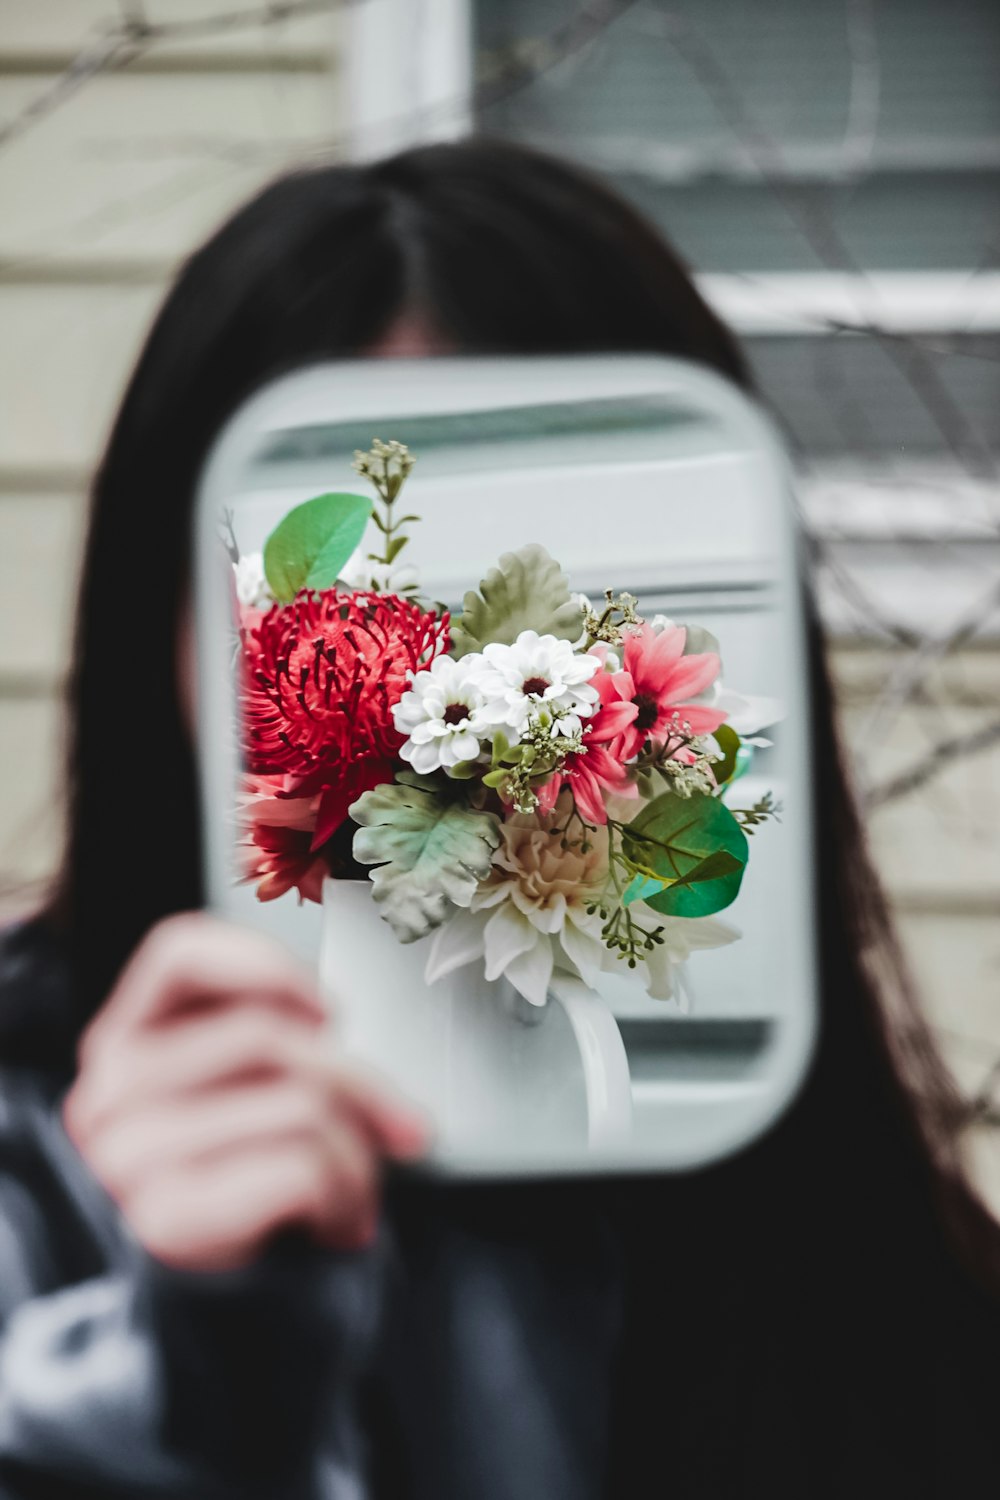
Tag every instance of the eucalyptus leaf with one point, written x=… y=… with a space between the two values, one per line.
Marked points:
x=641 y=887
x=697 y=845
x=744 y=760
x=430 y=851
x=309 y=547
x=526 y=591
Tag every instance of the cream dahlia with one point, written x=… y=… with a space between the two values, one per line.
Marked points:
x=530 y=916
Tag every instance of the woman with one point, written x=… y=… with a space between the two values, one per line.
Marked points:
x=205 y=1292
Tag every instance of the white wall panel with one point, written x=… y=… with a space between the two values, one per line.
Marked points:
x=48 y=29
x=40 y=539
x=64 y=355
x=141 y=166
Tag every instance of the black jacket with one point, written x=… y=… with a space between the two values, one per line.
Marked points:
x=790 y=1323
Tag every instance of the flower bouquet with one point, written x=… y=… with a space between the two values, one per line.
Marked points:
x=535 y=783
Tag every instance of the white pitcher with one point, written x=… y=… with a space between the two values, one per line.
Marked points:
x=495 y=1074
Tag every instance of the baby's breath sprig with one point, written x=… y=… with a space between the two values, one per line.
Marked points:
x=685 y=777
x=386 y=466
x=628 y=939
x=622 y=931
x=604 y=627
x=540 y=752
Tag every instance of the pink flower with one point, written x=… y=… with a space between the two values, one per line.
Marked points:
x=659 y=680
x=600 y=770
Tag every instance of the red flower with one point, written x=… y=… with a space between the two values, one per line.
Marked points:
x=600 y=769
x=279 y=853
x=659 y=679
x=321 y=676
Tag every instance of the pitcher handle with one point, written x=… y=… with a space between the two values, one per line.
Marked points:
x=607 y=1080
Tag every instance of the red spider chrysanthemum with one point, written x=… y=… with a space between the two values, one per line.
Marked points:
x=321 y=676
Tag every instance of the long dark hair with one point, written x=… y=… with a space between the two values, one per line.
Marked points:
x=501 y=250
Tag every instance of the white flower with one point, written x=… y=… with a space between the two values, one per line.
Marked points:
x=252 y=588
x=440 y=714
x=530 y=917
x=538 y=670
x=663 y=969
x=362 y=572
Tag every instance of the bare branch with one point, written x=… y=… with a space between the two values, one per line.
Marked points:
x=944 y=753
x=109 y=50
x=124 y=41
x=809 y=215
x=930 y=650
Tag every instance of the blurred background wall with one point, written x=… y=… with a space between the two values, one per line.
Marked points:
x=829 y=170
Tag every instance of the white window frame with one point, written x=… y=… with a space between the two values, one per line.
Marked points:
x=408 y=74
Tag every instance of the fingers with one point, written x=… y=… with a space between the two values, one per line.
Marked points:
x=215 y=1113
x=241 y=1044
x=392 y=1126
x=163 y=1136
x=230 y=1051
x=218 y=1216
x=193 y=962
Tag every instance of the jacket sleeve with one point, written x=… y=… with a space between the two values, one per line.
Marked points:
x=141 y=1381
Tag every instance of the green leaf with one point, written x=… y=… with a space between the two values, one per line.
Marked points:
x=681 y=840
x=430 y=850
x=395 y=547
x=463 y=770
x=501 y=744
x=527 y=591
x=309 y=547
x=729 y=743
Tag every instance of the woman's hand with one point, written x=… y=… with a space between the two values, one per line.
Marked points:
x=212 y=1110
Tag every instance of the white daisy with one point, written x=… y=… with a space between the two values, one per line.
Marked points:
x=538 y=670
x=252 y=588
x=440 y=714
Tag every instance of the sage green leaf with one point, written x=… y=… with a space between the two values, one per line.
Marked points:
x=681 y=839
x=526 y=591
x=729 y=743
x=309 y=547
x=430 y=851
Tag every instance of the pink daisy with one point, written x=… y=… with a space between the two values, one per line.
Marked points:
x=659 y=680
